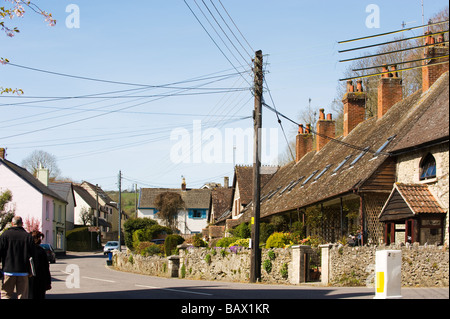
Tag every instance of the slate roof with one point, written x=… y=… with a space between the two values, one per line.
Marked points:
x=193 y=198
x=31 y=180
x=372 y=133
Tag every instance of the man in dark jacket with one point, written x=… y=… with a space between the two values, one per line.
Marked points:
x=16 y=248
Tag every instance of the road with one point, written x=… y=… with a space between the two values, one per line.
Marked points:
x=86 y=276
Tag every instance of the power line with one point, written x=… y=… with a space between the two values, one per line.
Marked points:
x=393 y=32
x=214 y=41
x=394 y=41
x=396 y=70
x=168 y=86
x=390 y=52
x=325 y=136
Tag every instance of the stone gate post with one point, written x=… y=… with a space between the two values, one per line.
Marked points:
x=300 y=264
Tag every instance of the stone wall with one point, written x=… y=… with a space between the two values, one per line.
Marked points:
x=422 y=266
x=233 y=265
x=151 y=266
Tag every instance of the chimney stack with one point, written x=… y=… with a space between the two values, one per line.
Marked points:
x=304 y=142
x=226 y=182
x=326 y=129
x=183 y=184
x=354 y=106
x=390 y=90
x=43 y=175
x=2 y=153
x=432 y=72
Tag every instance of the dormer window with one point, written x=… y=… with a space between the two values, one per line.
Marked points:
x=428 y=167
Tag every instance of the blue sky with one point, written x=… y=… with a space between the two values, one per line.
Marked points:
x=160 y=42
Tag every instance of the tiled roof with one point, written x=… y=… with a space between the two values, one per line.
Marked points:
x=221 y=200
x=285 y=192
x=193 y=198
x=419 y=198
x=244 y=178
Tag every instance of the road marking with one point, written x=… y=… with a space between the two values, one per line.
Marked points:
x=176 y=290
x=104 y=280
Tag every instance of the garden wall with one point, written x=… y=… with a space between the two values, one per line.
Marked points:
x=422 y=266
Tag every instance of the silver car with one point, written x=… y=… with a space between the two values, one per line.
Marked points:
x=110 y=246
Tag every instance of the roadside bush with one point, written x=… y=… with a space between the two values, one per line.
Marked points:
x=265 y=230
x=148 y=249
x=278 y=240
x=226 y=242
x=171 y=243
x=242 y=242
x=198 y=241
x=242 y=231
x=133 y=224
x=81 y=239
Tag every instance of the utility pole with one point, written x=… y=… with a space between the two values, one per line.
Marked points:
x=255 y=263
x=120 y=210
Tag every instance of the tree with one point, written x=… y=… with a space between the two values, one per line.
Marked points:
x=168 y=205
x=17 y=10
x=5 y=216
x=41 y=159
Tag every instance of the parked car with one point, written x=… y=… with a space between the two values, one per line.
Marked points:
x=110 y=246
x=158 y=241
x=51 y=256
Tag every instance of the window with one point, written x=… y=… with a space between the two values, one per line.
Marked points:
x=322 y=172
x=342 y=164
x=389 y=140
x=296 y=182
x=309 y=178
x=360 y=156
x=428 y=167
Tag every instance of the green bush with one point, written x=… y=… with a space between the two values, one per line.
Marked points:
x=81 y=239
x=242 y=231
x=271 y=255
x=277 y=240
x=198 y=241
x=242 y=242
x=133 y=224
x=265 y=230
x=225 y=242
x=146 y=248
x=171 y=243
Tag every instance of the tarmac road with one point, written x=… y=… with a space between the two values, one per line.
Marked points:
x=86 y=276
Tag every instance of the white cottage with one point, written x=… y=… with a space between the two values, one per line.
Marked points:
x=192 y=220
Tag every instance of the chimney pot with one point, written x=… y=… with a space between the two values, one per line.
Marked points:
x=329 y=117
x=308 y=129
x=350 y=87
x=304 y=142
x=322 y=114
x=2 y=153
x=359 y=87
x=325 y=130
x=183 y=184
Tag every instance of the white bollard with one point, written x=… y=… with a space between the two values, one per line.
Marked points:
x=388 y=274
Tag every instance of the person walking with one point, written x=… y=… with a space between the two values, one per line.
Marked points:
x=42 y=281
x=16 y=248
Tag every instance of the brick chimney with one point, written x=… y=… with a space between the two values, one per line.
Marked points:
x=432 y=72
x=2 y=153
x=354 y=106
x=304 y=142
x=390 y=90
x=325 y=128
